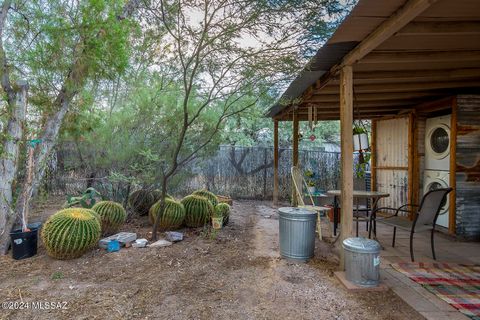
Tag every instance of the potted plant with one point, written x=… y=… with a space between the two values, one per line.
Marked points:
x=309 y=179
x=360 y=139
x=217 y=220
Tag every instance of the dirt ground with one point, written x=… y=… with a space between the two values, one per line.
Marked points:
x=236 y=274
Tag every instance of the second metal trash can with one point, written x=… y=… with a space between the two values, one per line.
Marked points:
x=297 y=233
x=362 y=261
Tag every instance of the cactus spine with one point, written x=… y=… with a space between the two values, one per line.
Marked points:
x=224 y=210
x=198 y=210
x=173 y=215
x=112 y=216
x=69 y=233
x=207 y=194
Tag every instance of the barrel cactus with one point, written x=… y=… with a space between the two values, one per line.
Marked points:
x=141 y=201
x=172 y=217
x=198 y=210
x=112 y=216
x=207 y=194
x=69 y=233
x=224 y=210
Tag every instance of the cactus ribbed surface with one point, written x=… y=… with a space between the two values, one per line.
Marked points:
x=224 y=210
x=69 y=233
x=141 y=201
x=112 y=216
x=207 y=194
x=173 y=215
x=198 y=210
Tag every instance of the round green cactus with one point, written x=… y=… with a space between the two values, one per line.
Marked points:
x=198 y=210
x=224 y=210
x=112 y=216
x=173 y=215
x=141 y=201
x=207 y=194
x=69 y=233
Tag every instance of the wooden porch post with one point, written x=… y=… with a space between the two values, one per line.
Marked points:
x=275 y=162
x=294 y=152
x=346 y=134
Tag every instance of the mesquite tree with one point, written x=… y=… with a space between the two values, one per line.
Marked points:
x=227 y=55
x=58 y=47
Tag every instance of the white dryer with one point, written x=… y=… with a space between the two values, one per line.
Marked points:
x=436 y=179
x=437 y=143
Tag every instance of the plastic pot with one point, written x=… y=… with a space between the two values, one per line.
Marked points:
x=24 y=244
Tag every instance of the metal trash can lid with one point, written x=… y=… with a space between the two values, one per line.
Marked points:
x=295 y=212
x=361 y=245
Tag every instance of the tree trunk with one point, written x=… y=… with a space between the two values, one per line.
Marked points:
x=9 y=164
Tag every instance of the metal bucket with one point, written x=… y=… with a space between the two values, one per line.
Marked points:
x=297 y=233
x=362 y=261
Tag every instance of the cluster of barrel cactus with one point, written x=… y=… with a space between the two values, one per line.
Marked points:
x=69 y=233
x=223 y=209
x=172 y=217
x=198 y=210
x=112 y=215
x=141 y=201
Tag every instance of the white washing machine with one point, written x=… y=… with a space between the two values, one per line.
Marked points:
x=436 y=179
x=437 y=143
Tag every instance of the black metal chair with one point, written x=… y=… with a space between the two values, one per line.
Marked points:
x=425 y=217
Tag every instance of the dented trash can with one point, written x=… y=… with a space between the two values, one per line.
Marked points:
x=297 y=233
x=362 y=261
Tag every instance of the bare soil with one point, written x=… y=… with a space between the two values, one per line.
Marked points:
x=236 y=274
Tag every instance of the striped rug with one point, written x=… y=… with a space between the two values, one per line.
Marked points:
x=457 y=284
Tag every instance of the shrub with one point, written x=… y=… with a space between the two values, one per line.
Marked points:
x=141 y=201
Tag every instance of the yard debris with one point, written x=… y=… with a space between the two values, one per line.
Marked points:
x=140 y=243
x=122 y=237
x=161 y=243
x=173 y=236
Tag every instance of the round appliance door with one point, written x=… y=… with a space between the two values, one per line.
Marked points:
x=439 y=141
x=439 y=184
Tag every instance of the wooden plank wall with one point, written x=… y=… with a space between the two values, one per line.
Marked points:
x=468 y=167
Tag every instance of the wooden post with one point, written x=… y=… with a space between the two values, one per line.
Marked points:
x=373 y=157
x=275 y=162
x=295 y=152
x=346 y=135
x=452 y=223
x=411 y=161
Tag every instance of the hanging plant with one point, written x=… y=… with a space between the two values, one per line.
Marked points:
x=360 y=138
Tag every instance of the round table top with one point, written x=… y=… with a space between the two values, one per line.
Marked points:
x=361 y=193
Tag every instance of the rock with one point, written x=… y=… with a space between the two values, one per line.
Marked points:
x=173 y=236
x=122 y=237
x=160 y=243
x=140 y=243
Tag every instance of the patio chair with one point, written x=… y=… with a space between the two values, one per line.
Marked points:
x=425 y=217
x=299 y=182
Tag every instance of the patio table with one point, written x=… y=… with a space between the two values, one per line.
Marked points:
x=357 y=194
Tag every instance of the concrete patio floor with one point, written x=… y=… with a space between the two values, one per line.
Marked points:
x=447 y=250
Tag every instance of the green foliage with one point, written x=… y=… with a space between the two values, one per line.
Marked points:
x=198 y=210
x=141 y=201
x=172 y=217
x=57 y=275
x=112 y=216
x=207 y=194
x=69 y=233
x=86 y=200
x=223 y=209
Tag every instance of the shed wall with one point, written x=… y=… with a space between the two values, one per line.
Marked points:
x=468 y=167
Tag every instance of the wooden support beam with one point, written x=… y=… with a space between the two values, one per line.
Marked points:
x=346 y=138
x=334 y=97
x=295 y=141
x=385 y=30
x=275 y=162
x=419 y=57
x=411 y=160
x=422 y=28
x=415 y=75
x=373 y=157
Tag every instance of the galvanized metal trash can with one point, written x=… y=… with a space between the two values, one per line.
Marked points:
x=297 y=233
x=362 y=261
